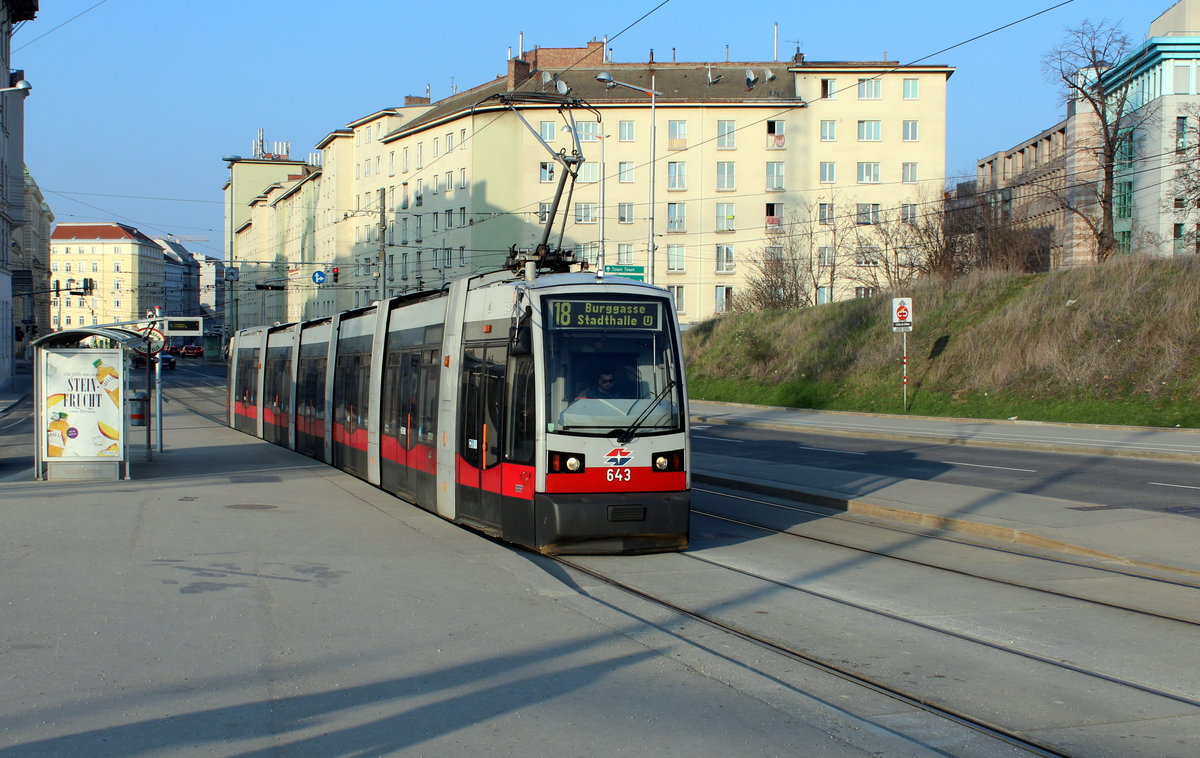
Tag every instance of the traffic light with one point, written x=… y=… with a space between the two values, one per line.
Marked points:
x=334 y=271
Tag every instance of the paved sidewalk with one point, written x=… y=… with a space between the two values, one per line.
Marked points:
x=235 y=598
x=1126 y=536
x=19 y=388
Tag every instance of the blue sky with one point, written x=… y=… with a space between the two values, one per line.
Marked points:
x=135 y=101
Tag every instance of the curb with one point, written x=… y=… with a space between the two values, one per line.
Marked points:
x=840 y=501
x=964 y=441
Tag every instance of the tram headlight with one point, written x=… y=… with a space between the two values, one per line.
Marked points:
x=670 y=460
x=566 y=463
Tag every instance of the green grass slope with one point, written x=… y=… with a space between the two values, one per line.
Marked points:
x=1111 y=344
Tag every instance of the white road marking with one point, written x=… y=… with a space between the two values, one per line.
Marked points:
x=830 y=450
x=1183 y=486
x=718 y=439
x=980 y=465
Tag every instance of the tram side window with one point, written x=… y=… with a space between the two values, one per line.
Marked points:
x=522 y=426
x=469 y=427
x=311 y=395
x=389 y=409
x=410 y=388
x=494 y=369
x=427 y=428
x=247 y=377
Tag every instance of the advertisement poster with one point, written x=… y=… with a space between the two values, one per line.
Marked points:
x=83 y=392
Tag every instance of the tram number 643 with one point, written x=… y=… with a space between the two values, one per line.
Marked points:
x=619 y=475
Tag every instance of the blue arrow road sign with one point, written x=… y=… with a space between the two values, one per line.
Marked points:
x=318 y=277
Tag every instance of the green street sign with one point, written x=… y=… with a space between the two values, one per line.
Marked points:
x=629 y=272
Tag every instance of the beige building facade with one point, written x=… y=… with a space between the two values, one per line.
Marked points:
x=724 y=165
x=125 y=265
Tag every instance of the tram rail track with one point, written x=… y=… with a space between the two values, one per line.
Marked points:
x=1059 y=560
x=915 y=700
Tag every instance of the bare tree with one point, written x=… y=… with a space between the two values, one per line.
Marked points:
x=1107 y=120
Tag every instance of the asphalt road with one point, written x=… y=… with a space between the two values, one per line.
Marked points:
x=1090 y=479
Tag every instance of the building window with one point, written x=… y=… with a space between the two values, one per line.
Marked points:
x=824 y=295
x=908 y=213
x=868 y=173
x=869 y=89
x=676 y=291
x=725 y=217
x=864 y=292
x=625 y=131
x=543 y=212
x=825 y=213
x=724 y=299
x=1123 y=200
x=625 y=172
x=547 y=129
x=1181 y=132
x=676 y=175
x=724 y=259
x=867 y=255
x=828 y=172
x=774 y=217
x=911 y=131
x=589 y=172
x=829 y=89
x=908 y=173
x=676 y=217
x=546 y=172
x=825 y=256
x=624 y=213
x=776 y=131
x=912 y=89
x=676 y=135
x=462 y=216
x=726 y=135
x=675 y=257
x=725 y=176
x=775 y=175
x=585 y=213
x=869 y=131
x=1124 y=241
x=116 y=267
x=867 y=213
x=462 y=178
x=828 y=130
x=449 y=219
x=625 y=253
x=589 y=131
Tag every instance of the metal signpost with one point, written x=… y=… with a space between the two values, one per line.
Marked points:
x=629 y=272
x=902 y=322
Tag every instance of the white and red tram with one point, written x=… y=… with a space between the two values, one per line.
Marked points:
x=472 y=402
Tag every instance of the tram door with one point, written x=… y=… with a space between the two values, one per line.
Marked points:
x=480 y=434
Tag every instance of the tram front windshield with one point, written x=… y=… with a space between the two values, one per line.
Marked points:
x=612 y=367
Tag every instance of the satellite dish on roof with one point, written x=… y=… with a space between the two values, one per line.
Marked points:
x=769 y=75
x=750 y=79
x=547 y=77
x=561 y=86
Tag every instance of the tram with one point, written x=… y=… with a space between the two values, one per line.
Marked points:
x=475 y=402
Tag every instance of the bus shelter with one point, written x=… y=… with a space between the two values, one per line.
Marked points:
x=82 y=402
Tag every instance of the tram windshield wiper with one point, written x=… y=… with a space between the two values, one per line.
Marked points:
x=626 y=435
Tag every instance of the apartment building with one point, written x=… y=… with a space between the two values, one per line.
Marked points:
x=13 y=91
x=126 y=266
x=31 y=269
x=726 y=164
x=1035 y=184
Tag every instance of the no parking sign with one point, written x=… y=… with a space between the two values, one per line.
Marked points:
x=902 y=314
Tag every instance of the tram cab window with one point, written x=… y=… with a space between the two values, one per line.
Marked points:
x=623 y=340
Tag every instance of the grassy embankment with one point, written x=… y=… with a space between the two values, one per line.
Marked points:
x=1112 y=344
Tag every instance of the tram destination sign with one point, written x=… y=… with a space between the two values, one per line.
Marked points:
x=605 y=314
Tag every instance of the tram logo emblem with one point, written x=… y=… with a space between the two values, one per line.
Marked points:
x=618 y=456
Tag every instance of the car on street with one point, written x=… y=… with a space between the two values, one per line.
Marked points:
x=168 y=361
x=192 y=351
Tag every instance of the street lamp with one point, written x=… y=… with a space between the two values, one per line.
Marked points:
x=21 y=86
x=230 y=301
x=609 y=82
